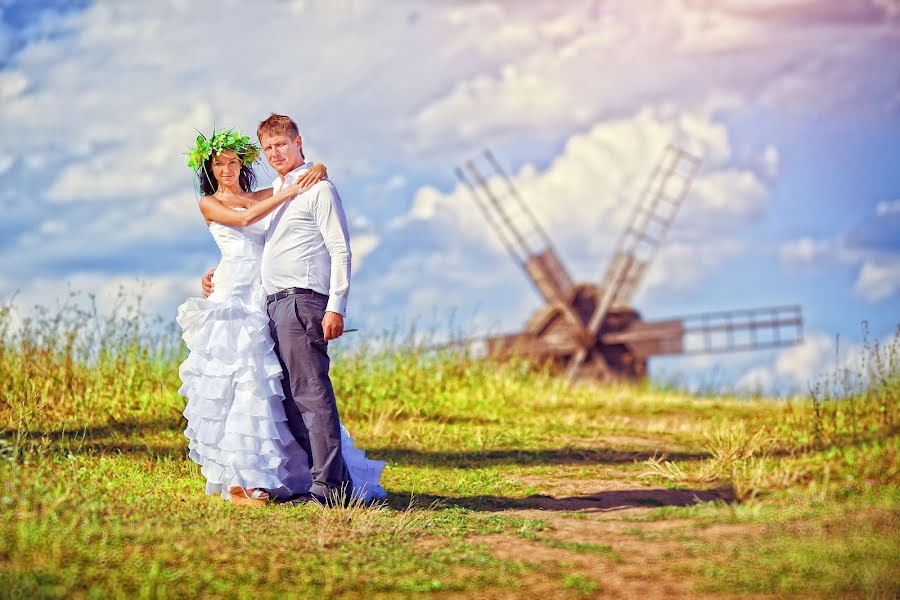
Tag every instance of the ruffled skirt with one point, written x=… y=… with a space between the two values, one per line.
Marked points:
x=237 y=430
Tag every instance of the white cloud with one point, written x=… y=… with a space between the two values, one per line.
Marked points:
x=146 y=164
x=585 y=197
x=878 y=281
x=584 y=67
x=795 y=368
x=681 y=266
x=805 y=250
x=396 y=182
x=156 y=294
x=362 y=245
x=757 y=380
x=12 y=84
x=820 y=360
x=731 y=197
x=53 y=227
x=770 y=161
x=887 y=208
x=578 y=101
x=803 y=363
x=866 y=247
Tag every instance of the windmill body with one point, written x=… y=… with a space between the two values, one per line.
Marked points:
x=590 y=330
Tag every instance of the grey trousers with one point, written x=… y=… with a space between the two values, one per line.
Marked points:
x=312 y=416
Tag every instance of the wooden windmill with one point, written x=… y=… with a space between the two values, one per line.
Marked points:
x=591 y=330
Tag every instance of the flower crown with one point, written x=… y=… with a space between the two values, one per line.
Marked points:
x=220 y=141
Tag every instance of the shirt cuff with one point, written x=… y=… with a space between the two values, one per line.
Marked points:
x=337 y=304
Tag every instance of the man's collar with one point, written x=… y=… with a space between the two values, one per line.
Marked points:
x=292 y=175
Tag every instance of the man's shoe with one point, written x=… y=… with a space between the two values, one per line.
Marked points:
x=299 y=499
x=340 y=498
x=333 y=499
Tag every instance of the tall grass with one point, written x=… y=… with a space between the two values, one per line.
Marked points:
x=99 y=497
x=384 y=382
x=858 y=400
x=63 y=369
x=851 y=413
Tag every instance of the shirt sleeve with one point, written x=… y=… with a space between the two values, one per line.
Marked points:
x=329 y=215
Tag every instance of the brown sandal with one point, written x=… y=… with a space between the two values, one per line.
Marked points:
x=257 y=497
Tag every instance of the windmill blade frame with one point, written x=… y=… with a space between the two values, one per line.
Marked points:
x=520 y=232
x=640 y=241
x=590 y=329
x=714 y=332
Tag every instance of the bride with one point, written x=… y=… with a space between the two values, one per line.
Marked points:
x=237 y=428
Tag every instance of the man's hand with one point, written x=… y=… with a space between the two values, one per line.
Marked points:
x=207 y=284
x=332 y=325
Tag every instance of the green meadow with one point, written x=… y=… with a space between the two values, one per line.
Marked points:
x=503 y=482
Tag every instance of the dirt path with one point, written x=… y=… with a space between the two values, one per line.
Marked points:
x=595 y=529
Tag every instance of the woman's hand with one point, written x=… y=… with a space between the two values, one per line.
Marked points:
x=296 y=187
x=313 y=175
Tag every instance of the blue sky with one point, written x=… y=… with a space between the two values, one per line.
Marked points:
x=794 y=106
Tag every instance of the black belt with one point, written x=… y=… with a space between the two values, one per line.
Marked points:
x=290 y=292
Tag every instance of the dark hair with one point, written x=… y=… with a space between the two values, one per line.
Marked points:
x=209 y=185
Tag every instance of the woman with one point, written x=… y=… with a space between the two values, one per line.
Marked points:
x=237 y=428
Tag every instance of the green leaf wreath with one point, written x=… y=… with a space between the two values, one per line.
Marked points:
x=218 y=142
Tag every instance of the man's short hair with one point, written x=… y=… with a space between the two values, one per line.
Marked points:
x=277 y=124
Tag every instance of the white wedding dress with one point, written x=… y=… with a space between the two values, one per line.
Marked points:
x=237 y=429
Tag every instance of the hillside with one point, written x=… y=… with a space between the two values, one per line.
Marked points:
x=503 y=483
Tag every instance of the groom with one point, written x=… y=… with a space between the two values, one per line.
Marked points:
x=306 y=276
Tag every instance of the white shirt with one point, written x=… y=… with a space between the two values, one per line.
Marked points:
x=307 y=244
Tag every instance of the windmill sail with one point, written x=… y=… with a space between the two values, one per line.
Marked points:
x=659 y=203
x=735 y=330
x=518 y=229
x=590 y=329
x=714 y=332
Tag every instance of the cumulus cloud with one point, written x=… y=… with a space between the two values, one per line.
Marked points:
x=874 y=245
x=796 y=368
x=870 y=247
x=685 y=48
x=361 y=245
x=163 y=293
x=585 y=198
x=12 y=84
x=878 y=232
x=805 y=250
x=100 y=101
x=817 y=361
x=146 y=165
x=878 y=281
x=682 y=266
x=101 y=113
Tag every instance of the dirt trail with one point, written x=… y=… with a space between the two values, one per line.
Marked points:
x=594 y=529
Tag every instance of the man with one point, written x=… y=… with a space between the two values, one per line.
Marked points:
x=306 y=276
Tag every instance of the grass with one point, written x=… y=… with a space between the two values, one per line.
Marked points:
x=503 y=482
x=812 y=557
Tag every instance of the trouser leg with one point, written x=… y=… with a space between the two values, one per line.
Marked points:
x=294 y=417
x=297 y=324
